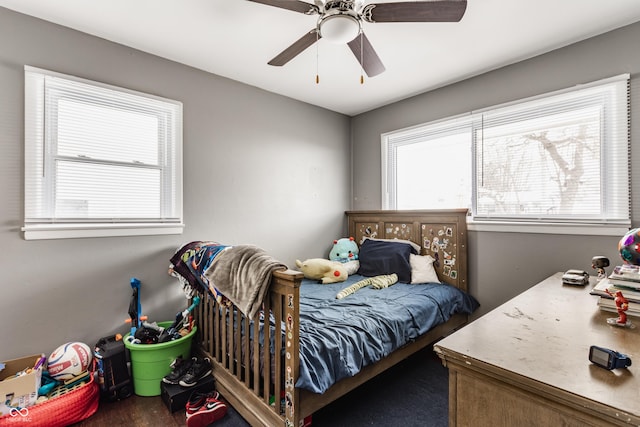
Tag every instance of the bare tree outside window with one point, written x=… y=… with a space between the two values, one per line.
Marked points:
x=552 y=170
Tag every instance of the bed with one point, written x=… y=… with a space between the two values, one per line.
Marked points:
x=304 y=346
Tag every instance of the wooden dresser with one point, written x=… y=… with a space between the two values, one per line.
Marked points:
x=526 y=363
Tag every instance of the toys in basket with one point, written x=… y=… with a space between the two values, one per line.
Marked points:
x=67 y=396
x=65 y=406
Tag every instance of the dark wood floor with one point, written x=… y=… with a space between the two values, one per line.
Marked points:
x=396 y=397
x=139 y=411
x=135 y=411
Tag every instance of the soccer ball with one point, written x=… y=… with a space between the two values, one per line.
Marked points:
x=69 y=360
x=629 y=247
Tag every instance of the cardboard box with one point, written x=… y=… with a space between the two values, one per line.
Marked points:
x=21 y=391
x=176 y=397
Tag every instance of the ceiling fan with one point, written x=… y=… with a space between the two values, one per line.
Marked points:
x=340 y=21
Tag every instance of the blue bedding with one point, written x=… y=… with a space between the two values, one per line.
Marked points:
x=338 y=337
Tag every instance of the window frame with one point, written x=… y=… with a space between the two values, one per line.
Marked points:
x=415 y=134
x=41 y=135
x=606 y=226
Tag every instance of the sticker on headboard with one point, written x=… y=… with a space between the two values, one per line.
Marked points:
x=366 y=230
x=403 y=231
x=440 y=242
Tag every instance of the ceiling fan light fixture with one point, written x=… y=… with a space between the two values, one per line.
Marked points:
x=339 y=28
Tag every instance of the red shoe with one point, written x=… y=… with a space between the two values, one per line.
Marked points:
x=197 y=400
x=212 y=411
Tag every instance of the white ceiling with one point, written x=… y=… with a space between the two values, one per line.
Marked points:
x=236 y=39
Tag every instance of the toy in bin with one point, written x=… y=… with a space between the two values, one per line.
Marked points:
x=152 y=333
x=182 y=321
x=135 y=307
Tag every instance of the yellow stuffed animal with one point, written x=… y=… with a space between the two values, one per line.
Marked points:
x=324 y=270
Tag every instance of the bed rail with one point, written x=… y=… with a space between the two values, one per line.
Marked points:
x=245 y=374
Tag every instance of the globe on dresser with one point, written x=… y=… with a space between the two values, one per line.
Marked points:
x=629 y=247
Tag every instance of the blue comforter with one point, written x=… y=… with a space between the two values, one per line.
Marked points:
x=338 y=337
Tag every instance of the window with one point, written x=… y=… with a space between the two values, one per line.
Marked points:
x=552 y=163
x=428 y=166
x=99 y=160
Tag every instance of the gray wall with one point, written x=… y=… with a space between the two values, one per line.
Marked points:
x=502 y=265
x=259 y=168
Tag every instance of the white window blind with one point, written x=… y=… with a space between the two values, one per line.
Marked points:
x=559 y=160
x=99 y=160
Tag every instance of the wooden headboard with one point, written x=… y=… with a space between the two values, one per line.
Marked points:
x=440 y=233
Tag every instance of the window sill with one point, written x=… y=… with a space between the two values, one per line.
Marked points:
x=548 y=228
x=75 y=231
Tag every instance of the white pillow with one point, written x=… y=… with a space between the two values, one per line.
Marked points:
x=422 y=270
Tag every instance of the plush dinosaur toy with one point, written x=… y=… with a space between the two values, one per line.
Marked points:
x=325 y=270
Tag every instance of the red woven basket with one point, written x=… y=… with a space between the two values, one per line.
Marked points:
x=71 y=407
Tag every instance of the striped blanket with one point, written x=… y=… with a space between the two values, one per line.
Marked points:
x=376 y=282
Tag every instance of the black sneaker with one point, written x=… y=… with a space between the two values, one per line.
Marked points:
x=180 y=368
x=198 y=370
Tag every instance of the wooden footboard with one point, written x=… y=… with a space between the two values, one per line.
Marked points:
x=250 y=379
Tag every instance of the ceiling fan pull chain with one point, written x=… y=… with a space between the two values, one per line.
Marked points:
x=317 y=59
x=361 y=66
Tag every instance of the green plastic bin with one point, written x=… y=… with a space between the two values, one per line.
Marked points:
x=151 y=362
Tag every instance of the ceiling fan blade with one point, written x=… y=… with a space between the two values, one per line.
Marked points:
x=294 y=5
x=416 y=11
x=366 y=55
x=296 y=48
